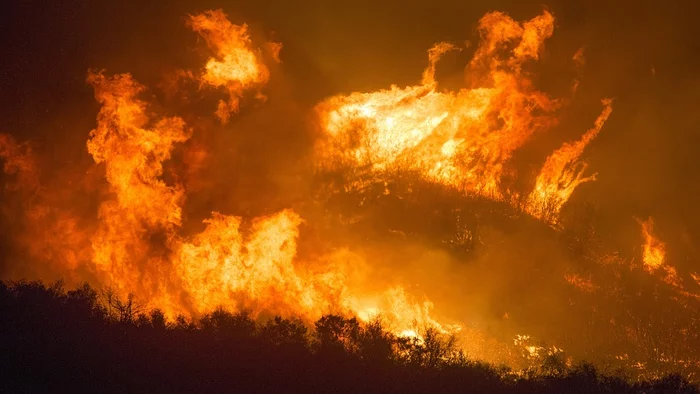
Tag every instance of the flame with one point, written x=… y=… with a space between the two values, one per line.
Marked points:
x=562 y=173
x=138 y=248
x=220 y=263
x=236 y=66
x=396 y=308
x=654 y=251
x=461 y=139
x=132 y=148
x=654 y=259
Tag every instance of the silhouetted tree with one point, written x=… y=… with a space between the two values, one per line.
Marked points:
x=76 y=341
x=375 y=344
x=336 y=333
x=229 y=325
x=284 y=332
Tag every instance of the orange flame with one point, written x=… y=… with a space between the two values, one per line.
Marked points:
x=137 y=247
x=236 y=67
x=132 y=149
x=654 y=252
x=562 y=173
x=460 y=139
x=219 y=266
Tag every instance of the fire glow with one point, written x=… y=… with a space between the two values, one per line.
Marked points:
x=461 y=140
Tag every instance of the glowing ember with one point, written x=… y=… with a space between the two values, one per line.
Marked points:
x=654 y=251
x=583 y=284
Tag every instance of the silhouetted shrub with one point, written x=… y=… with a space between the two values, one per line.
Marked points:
x=82 y=341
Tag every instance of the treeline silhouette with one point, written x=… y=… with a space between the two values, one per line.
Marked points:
x=53 y=340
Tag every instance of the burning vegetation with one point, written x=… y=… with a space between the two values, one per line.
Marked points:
x=421 y=174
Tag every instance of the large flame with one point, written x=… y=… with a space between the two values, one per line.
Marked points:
x=138 y=247
x=461 y=139
x=133 y=149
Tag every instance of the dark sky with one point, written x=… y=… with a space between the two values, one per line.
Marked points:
x=646 y=156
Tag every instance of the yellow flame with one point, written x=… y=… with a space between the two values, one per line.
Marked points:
x=461 y=139
x=583 y=284
x=236 y=66
x=562 y=173
x=17 y=161
x=654 y=251
x=224 y=265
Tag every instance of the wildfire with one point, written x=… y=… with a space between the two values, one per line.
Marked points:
x=50 y=234
x=463 y=140
x=138 y=248
x=460 y=139
x=133 y=156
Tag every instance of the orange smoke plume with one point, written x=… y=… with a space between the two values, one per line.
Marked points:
x=132 y=148
x=19 y=163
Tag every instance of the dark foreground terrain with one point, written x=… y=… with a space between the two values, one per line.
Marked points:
x=52 y=340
